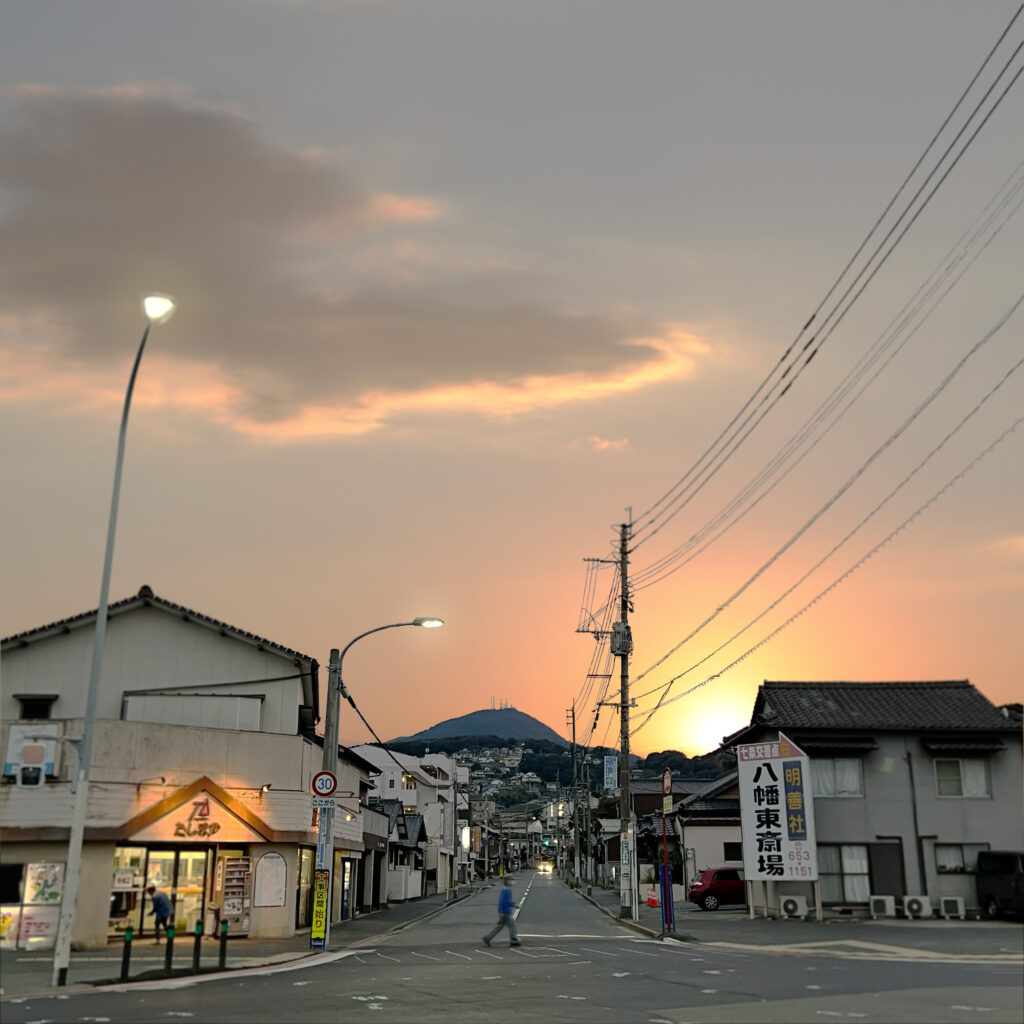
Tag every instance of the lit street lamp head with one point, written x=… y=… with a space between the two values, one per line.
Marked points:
x=158 y=308
x=427 y=622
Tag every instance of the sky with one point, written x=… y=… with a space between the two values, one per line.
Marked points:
x=464 y=286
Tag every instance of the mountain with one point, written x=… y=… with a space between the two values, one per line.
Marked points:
x=506 y=723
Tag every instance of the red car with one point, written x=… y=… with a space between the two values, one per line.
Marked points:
x=718 y=887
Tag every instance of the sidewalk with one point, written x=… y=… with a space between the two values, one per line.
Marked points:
x=26 y=973
x=999 y=940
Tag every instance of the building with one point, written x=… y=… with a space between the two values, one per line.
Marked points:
x=200 y=784
x=910 y=781
x=424 y=786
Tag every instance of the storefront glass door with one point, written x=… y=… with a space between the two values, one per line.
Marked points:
x=180 y=874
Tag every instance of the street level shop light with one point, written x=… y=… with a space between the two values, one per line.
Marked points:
x=335 y=691
x=158 y=310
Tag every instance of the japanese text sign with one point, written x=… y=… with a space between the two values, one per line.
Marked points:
x=777 y=811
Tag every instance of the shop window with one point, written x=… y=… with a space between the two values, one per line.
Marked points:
x=843 y=872
x=837 y=776
x=952 y=858
x=962 y=777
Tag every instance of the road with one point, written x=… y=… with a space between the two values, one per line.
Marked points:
x=575 y=965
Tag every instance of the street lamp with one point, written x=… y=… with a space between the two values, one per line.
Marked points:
x=158 y=310
x=335 y=689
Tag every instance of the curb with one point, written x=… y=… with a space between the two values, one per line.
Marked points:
x=273 y=960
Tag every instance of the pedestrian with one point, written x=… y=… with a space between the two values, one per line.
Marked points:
x=506 y=904
x=162 y=909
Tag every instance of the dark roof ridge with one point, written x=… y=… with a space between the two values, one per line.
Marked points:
x=867 y=683
x=145 y=596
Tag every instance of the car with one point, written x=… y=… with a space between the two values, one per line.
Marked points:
x=545 y=867
x=1000 y=882
x=718 y=887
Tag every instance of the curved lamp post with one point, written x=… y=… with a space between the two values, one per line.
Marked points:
x=335 y=690
x=158 y=310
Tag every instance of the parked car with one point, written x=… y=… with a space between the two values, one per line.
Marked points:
x=718 y=887
x=1000 y=882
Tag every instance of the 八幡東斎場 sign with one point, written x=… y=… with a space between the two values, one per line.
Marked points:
x=776 y=811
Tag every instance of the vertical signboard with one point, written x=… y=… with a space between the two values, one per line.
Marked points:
x=318 y=932
x=611 y=771
x=777 y=812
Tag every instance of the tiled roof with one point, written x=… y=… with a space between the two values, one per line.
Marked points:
x=948 y=705
x=145 y=596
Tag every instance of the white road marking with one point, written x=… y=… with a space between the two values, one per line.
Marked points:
x=711 y=972
x=464 y=957
x=638 y=952
x=580 y=963
x=391 y=958
x=491 y=977
x=708 y=991
x=814 y=988
x=370 y=999
x=620 y=974
x=601 y=951
x=425 y=957
x=485 y=953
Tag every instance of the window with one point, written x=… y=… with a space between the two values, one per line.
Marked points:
x=837 y=776
x=955 y=857
x=843 y=873
x=391 y=783
x=732 y=851
x=35 y=706
x=961 y=776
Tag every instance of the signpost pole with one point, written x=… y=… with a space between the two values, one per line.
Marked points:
x=667 y=908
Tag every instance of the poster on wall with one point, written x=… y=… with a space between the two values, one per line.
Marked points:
x=44 y=883
x=38 y=928
x=269 y=886
x=10 y=919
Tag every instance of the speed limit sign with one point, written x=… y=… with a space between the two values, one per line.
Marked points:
x=324 y=783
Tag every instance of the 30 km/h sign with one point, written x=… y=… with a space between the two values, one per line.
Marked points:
x=324 y=784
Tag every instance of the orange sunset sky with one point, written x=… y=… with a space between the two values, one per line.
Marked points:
x=460 y=285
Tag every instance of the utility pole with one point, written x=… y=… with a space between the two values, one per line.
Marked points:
x=325 y=832
x=575 y=798
x=622 y=646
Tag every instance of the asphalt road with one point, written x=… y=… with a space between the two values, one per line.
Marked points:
x=575 y=964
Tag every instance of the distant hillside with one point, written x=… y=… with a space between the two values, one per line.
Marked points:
x=505 y=723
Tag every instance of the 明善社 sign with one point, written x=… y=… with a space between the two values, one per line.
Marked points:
x=776 y=812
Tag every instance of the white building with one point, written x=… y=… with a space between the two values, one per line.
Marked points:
x=200 y=782
x=426 y=786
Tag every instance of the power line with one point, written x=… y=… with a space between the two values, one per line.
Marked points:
x=841 y=579
x=653 y=526
x=895 y=435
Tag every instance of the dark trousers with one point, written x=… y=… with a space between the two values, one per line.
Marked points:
x=156 y=927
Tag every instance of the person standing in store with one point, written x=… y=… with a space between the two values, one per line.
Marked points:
x=506 y=907
x=162 y=910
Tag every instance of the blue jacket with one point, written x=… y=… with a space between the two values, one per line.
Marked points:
x=506 y=904
x=161 y=905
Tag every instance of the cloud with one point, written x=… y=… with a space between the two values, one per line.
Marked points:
x=111 y=193
x=602 y=444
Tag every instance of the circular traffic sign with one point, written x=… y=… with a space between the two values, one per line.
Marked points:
x=325 y=783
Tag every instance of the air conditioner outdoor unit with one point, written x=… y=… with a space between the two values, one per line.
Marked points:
x=917 y=906
x=882 y=906
x=952 y=906
x=793 y=906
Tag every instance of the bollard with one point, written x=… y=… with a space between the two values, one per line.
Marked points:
x=169 y=952
x=223 y=957
x=197 y=947
x=126 y=954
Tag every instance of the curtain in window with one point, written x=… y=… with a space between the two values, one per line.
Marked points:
x=947 y=778
x=847 y=776
x=823 y=776
x=949 y=858
x=975 y=776
x=828 y=859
